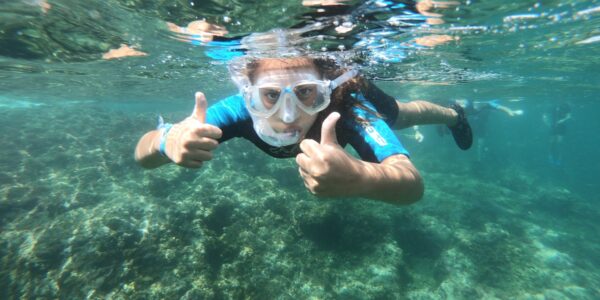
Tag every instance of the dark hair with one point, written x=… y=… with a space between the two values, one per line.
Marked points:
x=342 y=99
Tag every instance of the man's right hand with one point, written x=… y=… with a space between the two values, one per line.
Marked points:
x=190 y=142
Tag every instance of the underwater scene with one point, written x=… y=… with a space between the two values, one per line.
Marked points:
x=516 y=216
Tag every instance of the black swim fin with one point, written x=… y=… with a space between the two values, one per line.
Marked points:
x=461 y=132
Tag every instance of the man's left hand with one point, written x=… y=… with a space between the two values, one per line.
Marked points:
x=326 y=168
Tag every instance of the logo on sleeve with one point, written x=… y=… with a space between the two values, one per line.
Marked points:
x=372 y=132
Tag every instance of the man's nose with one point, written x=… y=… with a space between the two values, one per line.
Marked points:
x=289 y=111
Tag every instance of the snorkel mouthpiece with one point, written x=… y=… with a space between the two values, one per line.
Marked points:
x=269 y=136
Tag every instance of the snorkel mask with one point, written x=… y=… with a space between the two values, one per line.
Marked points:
x=287 y=94
x=309 y=94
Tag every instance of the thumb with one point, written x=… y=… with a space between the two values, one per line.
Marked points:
x=200 y=108
x=328 y=135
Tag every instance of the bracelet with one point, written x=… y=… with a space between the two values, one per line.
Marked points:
x=163 y=138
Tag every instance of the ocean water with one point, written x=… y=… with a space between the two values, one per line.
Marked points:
x=511 y=218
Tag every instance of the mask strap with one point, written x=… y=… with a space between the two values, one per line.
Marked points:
x=343 y=78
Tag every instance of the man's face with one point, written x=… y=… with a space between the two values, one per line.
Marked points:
x=289 y=118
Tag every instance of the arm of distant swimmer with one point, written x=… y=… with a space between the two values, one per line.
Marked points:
x=505 y=109
x=566 y=118
x=496 y=105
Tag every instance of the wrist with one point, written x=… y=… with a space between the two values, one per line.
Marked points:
x=162 y=138
x=156 y=141
x=155 y=147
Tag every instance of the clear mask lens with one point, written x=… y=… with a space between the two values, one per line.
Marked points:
x=310 y=96
x=306 y=94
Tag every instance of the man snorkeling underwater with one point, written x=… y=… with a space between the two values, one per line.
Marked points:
x=309 y=108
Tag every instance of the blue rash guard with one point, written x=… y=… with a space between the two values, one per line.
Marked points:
x=373 y=139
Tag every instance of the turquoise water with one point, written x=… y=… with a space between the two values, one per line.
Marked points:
x=79 y=219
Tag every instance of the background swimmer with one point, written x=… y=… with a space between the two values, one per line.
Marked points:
x=479 y=113
x=557 y=119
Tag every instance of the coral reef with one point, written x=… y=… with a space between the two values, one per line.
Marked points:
x=78 y=219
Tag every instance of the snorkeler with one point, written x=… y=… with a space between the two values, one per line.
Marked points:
x=557 y=121
x=478 y=113
x=307 y=108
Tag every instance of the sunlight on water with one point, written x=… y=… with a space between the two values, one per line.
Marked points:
x=167 y=44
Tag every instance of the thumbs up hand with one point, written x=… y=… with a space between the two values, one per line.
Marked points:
x=327 y=170
x=190 y=142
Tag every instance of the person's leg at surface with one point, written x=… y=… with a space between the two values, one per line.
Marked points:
x=555 y=153
x=480 y=122
x=481 y=148
x=559 y=154
x=558 y=129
